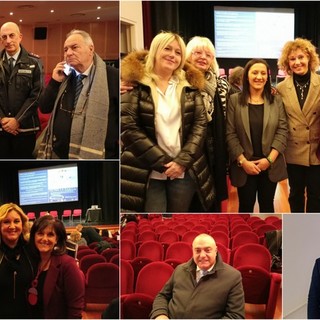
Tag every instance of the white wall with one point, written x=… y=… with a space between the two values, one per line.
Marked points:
x=131 y=15
x=301 y=247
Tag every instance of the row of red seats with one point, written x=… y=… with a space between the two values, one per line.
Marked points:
x=238 y=234
x=203 y=225
x=139 y=286
x=101 y=272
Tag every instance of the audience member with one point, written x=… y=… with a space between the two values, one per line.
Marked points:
x=76 y=237
x=85 y=121
x=90 y=234
x=163 y=125
x=203 y=288
x=301 y=97
x=256 y=138
x=20 y=88
x=16 y=265
x=58 y=289
x=235 y=80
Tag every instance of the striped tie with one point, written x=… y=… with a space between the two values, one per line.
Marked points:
x=79 y=86
x=11 y=64
x=200 y=274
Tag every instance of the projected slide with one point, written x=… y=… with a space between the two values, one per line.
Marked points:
x=48 y=185
x=252 y=32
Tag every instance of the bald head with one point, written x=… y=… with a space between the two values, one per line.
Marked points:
x=10 y=37
x=204 y=251
x=10 y=25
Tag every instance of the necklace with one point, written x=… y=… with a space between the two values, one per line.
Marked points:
x=302 y=88
x=33 y=292
x=256 y=101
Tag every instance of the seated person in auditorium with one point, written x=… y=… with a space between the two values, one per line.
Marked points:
x=91 y=234
x=235 y=80
x=217 y=294
x=76 y=237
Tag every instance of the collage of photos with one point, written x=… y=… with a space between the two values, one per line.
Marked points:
x=160 y=159
x=59 y=151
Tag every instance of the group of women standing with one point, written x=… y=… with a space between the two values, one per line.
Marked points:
x=38 y=279
x=177 y=122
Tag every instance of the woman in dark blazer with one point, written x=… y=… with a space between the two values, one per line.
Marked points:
x=314 y=296
x=256 y=138
x=58 y=290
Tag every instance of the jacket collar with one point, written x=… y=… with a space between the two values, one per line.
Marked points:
x=133 y=70
x=190 y=266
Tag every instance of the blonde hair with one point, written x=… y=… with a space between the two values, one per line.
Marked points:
x=8 y=207
x=299 y=43
x=203 y=43
x=75 y=236
x=159 y=42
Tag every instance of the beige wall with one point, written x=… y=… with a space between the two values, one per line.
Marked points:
x=104 y=34
x=131 y=26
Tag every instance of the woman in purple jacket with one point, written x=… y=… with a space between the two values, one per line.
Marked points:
x=58 y=290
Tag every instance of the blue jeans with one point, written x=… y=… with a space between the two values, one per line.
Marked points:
x=170 y=195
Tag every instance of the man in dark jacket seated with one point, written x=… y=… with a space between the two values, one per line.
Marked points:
x=91 y=234
x=203 y=288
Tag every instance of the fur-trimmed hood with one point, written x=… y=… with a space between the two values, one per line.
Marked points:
x=132 y=70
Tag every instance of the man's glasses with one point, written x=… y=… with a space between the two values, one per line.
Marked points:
x=72 y=111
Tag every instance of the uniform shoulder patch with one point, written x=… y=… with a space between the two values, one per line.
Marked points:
x=33 y=55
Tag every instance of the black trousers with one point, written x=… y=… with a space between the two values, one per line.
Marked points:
x=17 y=147
x=261 y=186
x=304 y=184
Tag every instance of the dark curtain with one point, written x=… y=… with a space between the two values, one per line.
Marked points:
x=98 y=184
x=159 y=16
x=307 y=21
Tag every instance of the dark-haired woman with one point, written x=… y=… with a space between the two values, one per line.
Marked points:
x=57 y=291
x=256 y=138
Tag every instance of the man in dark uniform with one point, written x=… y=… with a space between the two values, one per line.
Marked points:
x=20 y=87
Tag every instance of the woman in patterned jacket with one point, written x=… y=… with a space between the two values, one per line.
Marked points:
x=200 y=53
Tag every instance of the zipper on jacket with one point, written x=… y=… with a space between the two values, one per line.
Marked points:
x=14 y=284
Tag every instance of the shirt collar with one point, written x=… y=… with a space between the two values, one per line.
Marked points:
x=87 y=72
x=198 y=269
x=15 y=56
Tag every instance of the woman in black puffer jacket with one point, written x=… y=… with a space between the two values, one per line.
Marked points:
x=163 y=124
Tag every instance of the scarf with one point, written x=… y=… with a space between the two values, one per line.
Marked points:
x=208 y=93
x=90 y=120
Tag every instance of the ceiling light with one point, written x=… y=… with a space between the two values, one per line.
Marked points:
x=11 y=13
x=98 y=18
x=99 y=8
x=51 y=11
